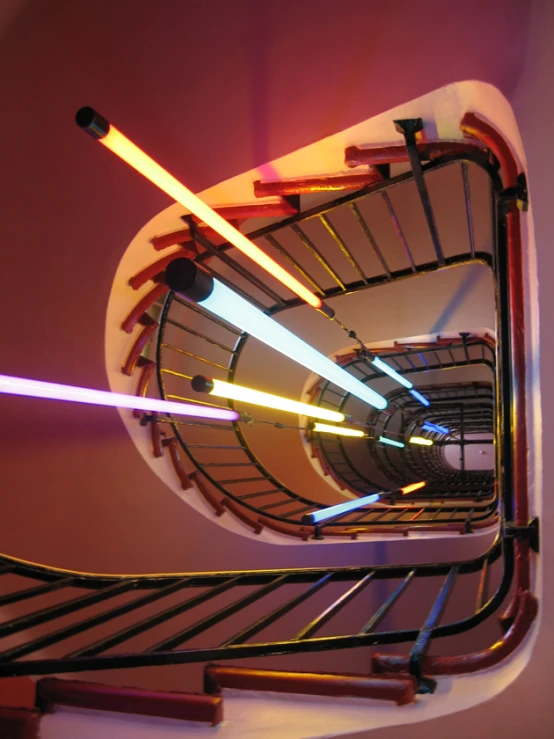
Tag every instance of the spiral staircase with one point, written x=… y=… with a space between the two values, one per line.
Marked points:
x=473 y=382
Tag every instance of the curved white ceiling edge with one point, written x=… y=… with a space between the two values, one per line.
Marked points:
x=442 y=109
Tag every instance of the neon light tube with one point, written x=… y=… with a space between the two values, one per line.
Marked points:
x=391 y=442
x=377 y=362
x=339 y=430
x=267 y=400
x=427 y=426
x=53 y=391
x=411 y=488
x=326 y=513
x=89 y=120
x=194 y=284
x=418 y=396
x=420 y=440
x=236 y=310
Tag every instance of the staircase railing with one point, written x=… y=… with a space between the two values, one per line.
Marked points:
x=235 y=477
x=72 y=593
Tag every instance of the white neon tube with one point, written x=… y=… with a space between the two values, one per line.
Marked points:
x=54 y=391
x=236 y=310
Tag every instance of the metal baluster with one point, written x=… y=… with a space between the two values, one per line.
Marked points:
x=319 y=621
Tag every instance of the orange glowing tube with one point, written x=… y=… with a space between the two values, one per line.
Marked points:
x=412 y=487
x=115 y=141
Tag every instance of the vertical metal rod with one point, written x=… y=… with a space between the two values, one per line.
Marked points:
x=148 y=623
x=308 y=243
x=333 y=609
x=482 y=591
x=20 y=595
x=365 y=228
x=198 y=236
x=398 y=229
x=281 y=249
x=462 y=444
x=467 y=197
x=408 y=128
x=270 y=618
x=217 y=617
x=48 y=614
x=339 y=241
x=379 y=615
x=70 y=630
x=423 y=640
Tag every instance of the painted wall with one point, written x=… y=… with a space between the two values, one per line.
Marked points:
x=73 y=492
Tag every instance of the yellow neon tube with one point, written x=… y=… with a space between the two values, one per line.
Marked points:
x=267 y=400
x=420 y=440
x=340 y=430
x=411 y=488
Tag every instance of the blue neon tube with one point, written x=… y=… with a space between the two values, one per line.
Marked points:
x=427 y=426
x=326 y=513
x=418 y=396
x=391 y=442
x=236 y=310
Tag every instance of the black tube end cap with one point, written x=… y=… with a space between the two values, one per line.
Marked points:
x=92 y=122
x=201 y=384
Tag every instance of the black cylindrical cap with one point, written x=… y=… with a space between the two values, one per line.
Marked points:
x=185 y=277
x=327 y=311
x=202 y=384
x=92 y=122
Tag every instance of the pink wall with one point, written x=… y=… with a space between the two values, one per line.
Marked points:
x=225 y=86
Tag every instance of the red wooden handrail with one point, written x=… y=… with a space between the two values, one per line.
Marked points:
x=526 y=611
x=156 y=437
x=19 y=723
x=301 y=532
x=184 y=236
x=235 y=214
x=173 y=446
x=476 y=127
x=323 y=183
x=136 y=350
x=240 y=513
x=52 y=692
x=219 y=509
x=154 y=269
x=141 y=308
x=355 y=156
x=390 y=688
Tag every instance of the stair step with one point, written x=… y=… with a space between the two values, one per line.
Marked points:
x=53 y=692
x=401 y=690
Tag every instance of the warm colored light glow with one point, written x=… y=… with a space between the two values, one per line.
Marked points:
x=383 y=367
x=411 y=488
x=427 y=426
x=339 y=430
x=391 y=442
x=420 y=440
x=130 y=153
x=53 y=391
x=256 y=397
x=352 y=505
x=234 y=309
x=418 y=396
